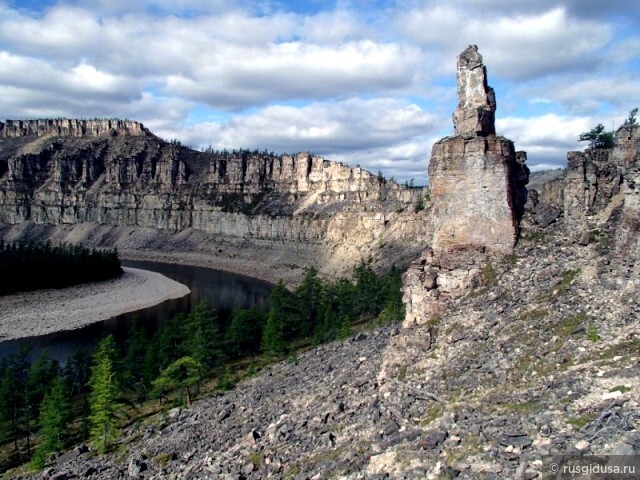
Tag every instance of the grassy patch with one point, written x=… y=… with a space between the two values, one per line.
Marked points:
x=452 y=327
x=620 y=388
x=595 y=235
x=562 y=286
x=402 y=372
x=291 y=471
x=623 y=349
x=510 y=259
x=524 y=407
x=255 y=458
x=533 y=315
x=580 y=421
x=570 y=325
x=470 y=445
x=163 y=458
x=537 y=237
x=489 y=275
x=432 y=413
x=592 y=332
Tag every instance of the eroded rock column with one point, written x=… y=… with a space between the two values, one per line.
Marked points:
x=478 y=194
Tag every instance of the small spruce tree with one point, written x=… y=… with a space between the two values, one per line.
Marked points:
x=54 y=415
x=103 y=400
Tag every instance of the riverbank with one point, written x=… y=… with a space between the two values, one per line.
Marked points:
x=42 y=312
x=291 y=275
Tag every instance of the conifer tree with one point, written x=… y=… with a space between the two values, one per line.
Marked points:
x=273 y=343
x=202 y=338
x=103 y=400
x=309 y=296
x=134 y=359
x=245 y=331
x=182 y=374
x=54 y=415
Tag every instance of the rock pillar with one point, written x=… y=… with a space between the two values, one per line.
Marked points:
x=478 y=195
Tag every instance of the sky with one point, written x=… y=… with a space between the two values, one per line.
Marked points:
x=364 y=82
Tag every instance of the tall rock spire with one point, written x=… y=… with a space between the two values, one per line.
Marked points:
x=477 y=192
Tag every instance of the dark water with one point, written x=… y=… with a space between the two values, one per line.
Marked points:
x=224 y=291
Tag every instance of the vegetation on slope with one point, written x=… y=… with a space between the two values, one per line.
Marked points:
x=191 y=353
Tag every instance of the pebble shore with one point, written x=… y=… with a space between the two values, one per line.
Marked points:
x=46 y=311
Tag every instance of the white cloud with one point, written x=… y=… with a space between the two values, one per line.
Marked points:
x=587 y=95
x=516 y=46
x=353 y=81
x=377 y=134
x=241 y=77
x=80 y=81
x=545 y=138
x=338 y=126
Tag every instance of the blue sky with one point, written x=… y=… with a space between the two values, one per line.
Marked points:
x=363 y=82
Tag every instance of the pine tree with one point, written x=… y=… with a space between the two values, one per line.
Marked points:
x=245 y=331
x=103 y=403
x=41 y=375
x=309 y=296
x=54 y=415
x=10 y=399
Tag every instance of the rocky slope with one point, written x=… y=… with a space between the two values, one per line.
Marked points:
x=542 y=359
x=511 y=352
x=511 y=374
x=113 y=183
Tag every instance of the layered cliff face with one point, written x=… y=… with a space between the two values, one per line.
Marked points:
x=111 y=173
x=478 y=193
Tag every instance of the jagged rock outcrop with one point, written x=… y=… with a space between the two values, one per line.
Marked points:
x=98 y=173
x=596 y=177
x=597 y=185
x=478 y=194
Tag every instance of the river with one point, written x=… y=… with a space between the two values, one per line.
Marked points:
x=223 y=290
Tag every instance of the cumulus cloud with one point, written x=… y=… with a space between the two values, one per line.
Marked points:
x=378 y=134
x=320 y=127
x=354 y=81
x=517 y=46
x=546 y=138
x=296 y=71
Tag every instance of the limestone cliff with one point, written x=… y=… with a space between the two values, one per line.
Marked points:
x=118 y=181
x=597 y=187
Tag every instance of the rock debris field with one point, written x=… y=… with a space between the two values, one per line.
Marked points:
x=46 y=311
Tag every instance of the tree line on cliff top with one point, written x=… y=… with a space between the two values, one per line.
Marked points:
x=598 y=137
x=46 y=406
x=32 y=266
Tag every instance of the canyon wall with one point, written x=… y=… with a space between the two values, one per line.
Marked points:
x=115 y=176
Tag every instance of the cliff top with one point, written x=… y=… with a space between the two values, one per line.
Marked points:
x=73 y=127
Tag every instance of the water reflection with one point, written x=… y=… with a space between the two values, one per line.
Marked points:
x=225 y=291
